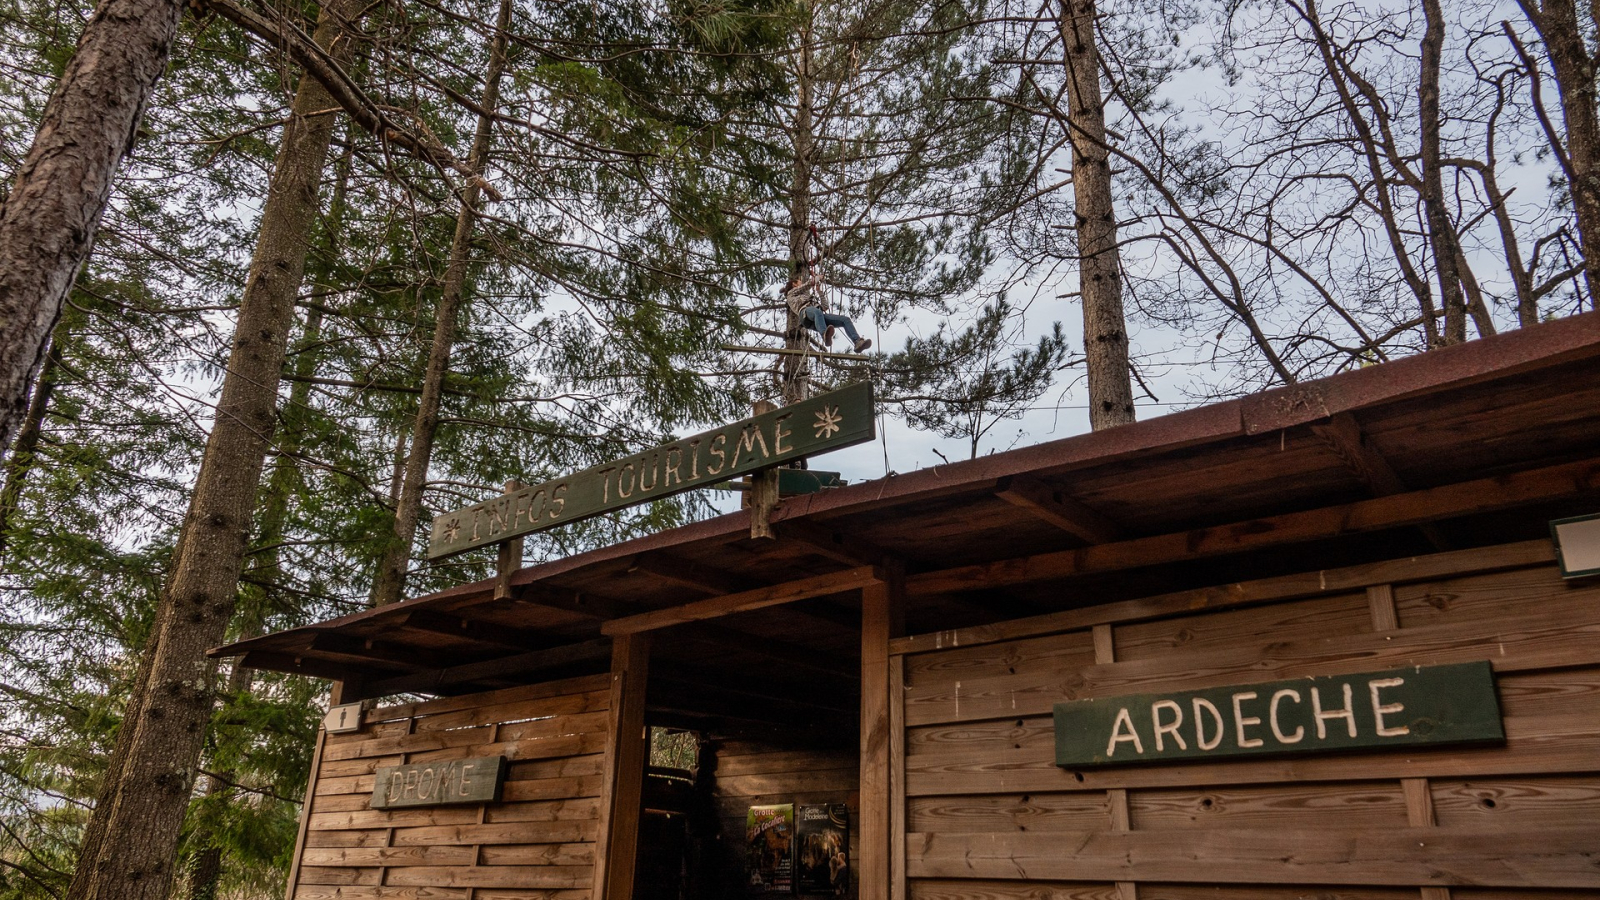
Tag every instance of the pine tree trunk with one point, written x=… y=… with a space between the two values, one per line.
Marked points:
x=1575 y=70
x=1441 y=231
x=796 y=369
x=391 y=577
x=20 y=462
x=48 y=221
x=166 y=723
x=1105 y=330
x=205 y=874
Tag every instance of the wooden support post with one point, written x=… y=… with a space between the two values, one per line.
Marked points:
x=335 y=698
x=882 y=617
x=762 y=497
x=622 y=784
x=1418 y=794
x=510 y=558
x=1105 y=653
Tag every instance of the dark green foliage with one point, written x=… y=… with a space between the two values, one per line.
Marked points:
x=960 y=385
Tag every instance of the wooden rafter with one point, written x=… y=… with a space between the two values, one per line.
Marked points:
x=1047 y=504
x=514 y=666
x=852 y=550
x=1395 y=511
x=789 y=654
x=462 y=626
x=744 y=601
x=1343 y=435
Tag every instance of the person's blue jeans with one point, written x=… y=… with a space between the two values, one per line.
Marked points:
x=819 y=322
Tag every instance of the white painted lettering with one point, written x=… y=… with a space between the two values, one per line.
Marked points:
x=778 y=434
x=1348 y=713
x=653 y=468
x=1272 y=716
x=625 y=480
x=1200 y=727
x=1381 y=709
x=674 y=462
x=605 y=483
x=557 y=502
x=1169 y=728
x=747 y=444
x=716 y=449
x=1118 y=737
x=1241 y=721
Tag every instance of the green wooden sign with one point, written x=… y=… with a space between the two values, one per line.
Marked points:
x=827 y=422
x=439 y=783
x=1427 y=705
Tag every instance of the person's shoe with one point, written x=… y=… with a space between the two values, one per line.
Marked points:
x=827 y=336
x=863 y=344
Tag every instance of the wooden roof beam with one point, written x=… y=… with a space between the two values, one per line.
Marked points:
x=790 y=654
x=1056 y=507
x=694 y=576
x=705 y=579
x=519 y=665
x=1482 y=495
x=315 y=667
x=1343 y=435
x=744 y=601
x=851 y=550
x=459 y=625
x=368 y=651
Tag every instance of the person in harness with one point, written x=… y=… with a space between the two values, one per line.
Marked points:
x=801 y=296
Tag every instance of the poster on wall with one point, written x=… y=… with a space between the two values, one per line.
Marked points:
x=823 y=838
x=769 y=831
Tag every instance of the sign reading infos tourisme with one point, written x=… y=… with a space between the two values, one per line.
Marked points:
x=826 y=422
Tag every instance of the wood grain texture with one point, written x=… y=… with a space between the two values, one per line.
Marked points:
x=990 y=817
x=881 y=604
x=537 y=842
x=622 y=780
x=1482 y=495
x=1306 y=584
x=760 y=598
x=1563 y=858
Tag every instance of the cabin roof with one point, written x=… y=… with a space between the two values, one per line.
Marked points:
x=1466 y=446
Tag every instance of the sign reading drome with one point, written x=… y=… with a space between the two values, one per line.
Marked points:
x=829 y=421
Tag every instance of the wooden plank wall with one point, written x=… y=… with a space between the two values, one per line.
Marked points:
x=988 y=816
x=755 y=774
x=536 y=844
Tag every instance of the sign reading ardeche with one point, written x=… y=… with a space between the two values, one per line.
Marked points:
x=829 y=421
x=1431 y=705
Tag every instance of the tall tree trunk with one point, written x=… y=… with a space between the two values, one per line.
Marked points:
x=1105 y=330
x=205 y=873
x=20 y=462
x=796 y=369
x=408 y=507
x=166 y=723
x=48 y=221
x=1441 y=231
x=1575 y=70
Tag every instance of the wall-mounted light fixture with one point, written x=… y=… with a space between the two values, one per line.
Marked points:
x=1577 y=545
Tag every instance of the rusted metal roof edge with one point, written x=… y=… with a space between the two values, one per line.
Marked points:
x=1546 y=344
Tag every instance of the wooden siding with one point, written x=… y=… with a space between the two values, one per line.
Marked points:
x=536 y=844
x=755 y=774
x=988 y=816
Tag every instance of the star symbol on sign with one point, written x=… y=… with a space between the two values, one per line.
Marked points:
x=827 y=421
x=451 y=529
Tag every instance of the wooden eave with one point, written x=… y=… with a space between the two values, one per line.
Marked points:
x=1468 y=446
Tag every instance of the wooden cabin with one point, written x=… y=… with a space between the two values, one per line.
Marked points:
x=915 y=648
